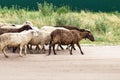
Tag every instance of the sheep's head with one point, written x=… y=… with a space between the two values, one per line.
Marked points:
x=26 y=27
x=28 y=23
x=89 y=35
x=34 y=32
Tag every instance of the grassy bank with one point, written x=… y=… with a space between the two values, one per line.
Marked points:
x=104 y=26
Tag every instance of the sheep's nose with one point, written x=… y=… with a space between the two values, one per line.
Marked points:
x=93 y=39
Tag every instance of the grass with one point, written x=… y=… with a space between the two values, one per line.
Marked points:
x=104 y=26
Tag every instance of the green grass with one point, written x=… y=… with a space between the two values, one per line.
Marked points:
x=104 y=26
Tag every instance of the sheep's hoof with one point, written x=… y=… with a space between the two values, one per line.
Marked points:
x=58 y=49
x=68 y=48
x=82 y=53
x=24 y=53
x=48 y=54
x=21 y=55
x=55 y=54
x=43 y=52
x=71 y=54
x=6 y=56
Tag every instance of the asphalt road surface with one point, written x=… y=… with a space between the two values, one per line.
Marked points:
x=98 y=63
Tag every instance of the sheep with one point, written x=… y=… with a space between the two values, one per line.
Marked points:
x=16 y=39
x=70 y=28
x=25 y=27
x=4 y=24
x=28 y=23
x=52 y=28
x=15 y=26
x=42 y=38
x=69 y=37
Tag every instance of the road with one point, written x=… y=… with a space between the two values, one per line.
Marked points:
x=98 y=63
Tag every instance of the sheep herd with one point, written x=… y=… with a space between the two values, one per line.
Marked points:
x=26 y=35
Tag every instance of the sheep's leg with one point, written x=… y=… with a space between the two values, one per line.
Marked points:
x=50 y=45
x=37 y=47
x=80 y=48
x=30 y=47
x=43 y=48
x=68 y=46
x=61 y=47
x=14 y=49
x=71 y=49
x=57 y=47
x=54 y=49
x=49 y=48
x=20 y=51
x=25 y=50
x=74 y=47
x=3 y=50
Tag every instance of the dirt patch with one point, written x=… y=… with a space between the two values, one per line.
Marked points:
x=98 y=63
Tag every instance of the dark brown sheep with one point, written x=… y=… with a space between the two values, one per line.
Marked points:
x=24 y=27
x=63 y=37
x=70 y=28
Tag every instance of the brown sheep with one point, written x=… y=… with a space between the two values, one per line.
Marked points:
x=24 y=27
x=70 y=28
x=63 y=37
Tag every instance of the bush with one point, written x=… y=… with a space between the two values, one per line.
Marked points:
x=63 y=10
x=46 y=9
x=67 y=19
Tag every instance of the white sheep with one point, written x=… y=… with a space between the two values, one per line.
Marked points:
x=16 y=26
x=42 y=38
x=51 y=29
x=4 y=24
x=25 y=23
x=16 y=39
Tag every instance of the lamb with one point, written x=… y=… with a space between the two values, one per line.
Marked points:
x=16 y=39
x=69 y=37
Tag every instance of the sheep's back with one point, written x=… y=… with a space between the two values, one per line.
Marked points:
x=76 y=35
x=43 y=37
x=62 y=36
x=51 y=28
